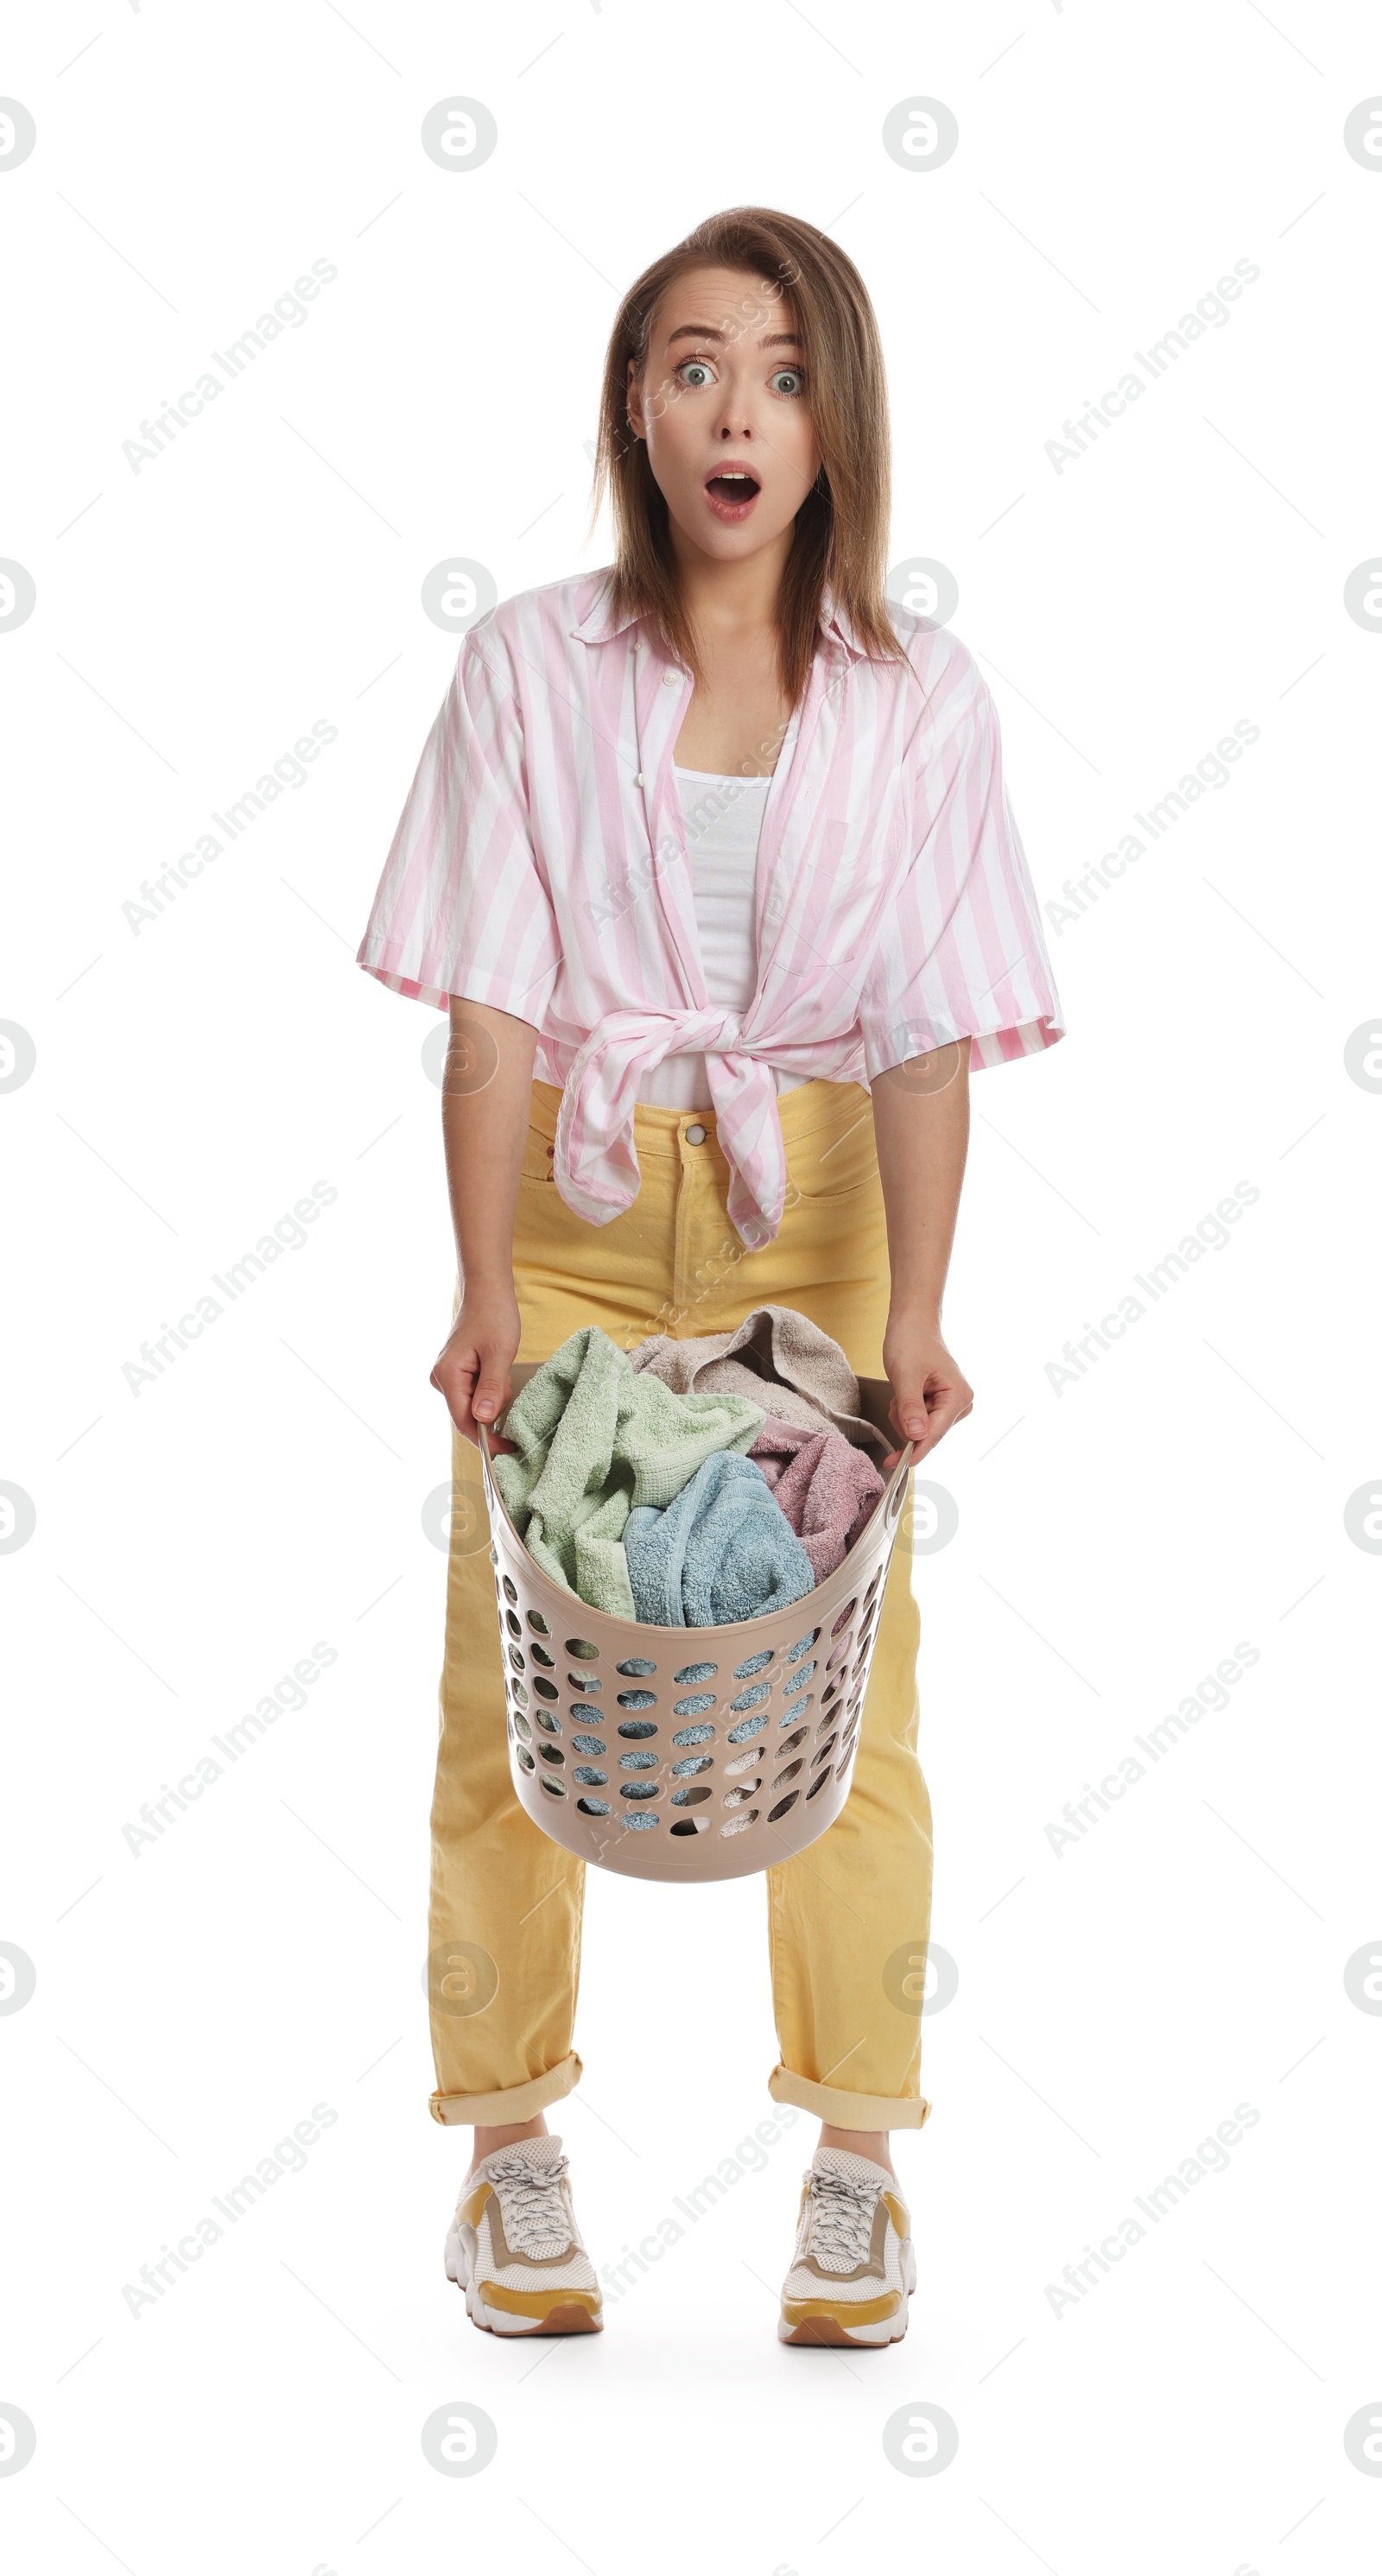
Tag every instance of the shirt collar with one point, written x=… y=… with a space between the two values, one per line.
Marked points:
x=599 y=627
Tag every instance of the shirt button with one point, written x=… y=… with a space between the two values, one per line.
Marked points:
x=638 y=779
x=670 y=679
x=695 y=1135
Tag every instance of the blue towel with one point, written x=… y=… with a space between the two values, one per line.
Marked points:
x=721 y=1551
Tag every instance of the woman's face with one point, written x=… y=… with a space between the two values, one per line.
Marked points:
x=726 y=410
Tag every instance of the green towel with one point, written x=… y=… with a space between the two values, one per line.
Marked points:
x=593 y=1438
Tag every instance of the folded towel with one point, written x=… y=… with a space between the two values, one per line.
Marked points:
x=777 y=1358
x=722 y=1551
x=826 y=1489
x=594 y=1438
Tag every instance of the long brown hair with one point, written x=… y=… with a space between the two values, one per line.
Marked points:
x=842 y=527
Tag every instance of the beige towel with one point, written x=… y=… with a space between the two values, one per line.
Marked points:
x=777 y=1358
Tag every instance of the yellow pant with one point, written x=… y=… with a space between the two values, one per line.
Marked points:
x=848 y=1919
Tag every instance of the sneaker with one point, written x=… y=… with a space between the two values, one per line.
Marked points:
x=853 y=2267
x=515 y=2249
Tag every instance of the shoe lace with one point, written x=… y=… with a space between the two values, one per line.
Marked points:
x=536 y=2220
x=841 y=2217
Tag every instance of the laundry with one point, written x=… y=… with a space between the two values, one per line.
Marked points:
x=593 y=1439
x=776 y=1358
x=722 y=1551
x=825 y=1489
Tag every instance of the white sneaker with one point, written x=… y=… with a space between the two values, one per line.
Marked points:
x=853 y=2267
x=515 y=2249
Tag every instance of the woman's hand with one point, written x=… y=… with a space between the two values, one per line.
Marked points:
x=472 y=1370
x=929 y=1391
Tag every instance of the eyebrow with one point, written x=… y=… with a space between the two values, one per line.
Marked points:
x=706 y=331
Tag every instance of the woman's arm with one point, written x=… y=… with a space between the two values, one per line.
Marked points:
x=486 y=1098
x=921 y=1127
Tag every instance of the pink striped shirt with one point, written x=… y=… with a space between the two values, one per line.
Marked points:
x=541 y=865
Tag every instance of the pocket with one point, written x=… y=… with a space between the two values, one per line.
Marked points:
x=835 y=1165
x=538 y=1154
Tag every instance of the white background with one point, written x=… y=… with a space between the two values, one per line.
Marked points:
x=1116 y=1540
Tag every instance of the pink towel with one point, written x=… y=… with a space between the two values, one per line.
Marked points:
x=826 y=1488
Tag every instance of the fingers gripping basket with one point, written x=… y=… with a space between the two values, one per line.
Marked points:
x=688 y=1752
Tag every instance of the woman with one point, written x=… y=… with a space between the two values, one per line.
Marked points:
x=715 y=843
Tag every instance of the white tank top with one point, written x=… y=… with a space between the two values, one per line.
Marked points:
x=723 y=820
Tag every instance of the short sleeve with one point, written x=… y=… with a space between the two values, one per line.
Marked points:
x=962 y=954
x=462 y=907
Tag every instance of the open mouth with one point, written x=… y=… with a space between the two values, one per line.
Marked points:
x=732 y=492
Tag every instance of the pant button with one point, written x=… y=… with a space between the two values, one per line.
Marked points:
x=695 y=1135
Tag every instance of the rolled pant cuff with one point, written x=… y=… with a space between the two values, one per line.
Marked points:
x=516 y=2102
x=848 y=2110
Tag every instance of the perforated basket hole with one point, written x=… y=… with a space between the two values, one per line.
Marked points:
x=518 y=1659
x=818 y=1784
x=689 y=1797
x=840 y=1656
x=551 y=1753
x=520 y=1693
x=589 y=1777
x=581 y=1713
x=690 y=1825
x=536 y=1620
x=874 y=1581
x=587 y=1744
x=695 y=1762
x=782 y=1805
x=636 y=1730
x=554 y=1788
x=790 y=1743
x=513 y=1626
x=521 y=1726
x=803 y=1646
x=823 y=1752
x=753 y=1664
x=494 y=1556
x=638 y=1762
x=510 y=1587
x=641 y=1789
x=843 y=1617
x=525 y=1759
x=636 y=1664
x=784 y=1776
x=798 y=1681
x=696 y=1673
x=826 y=1722
x=541 y=1656
x=638 y=1699
x=584 y=1682
x=830 y=1690
x=752 y=1698
x=549 y=1724
x=544 y=1688
x=746 y=1728
x=592 y=1807
x=693 y=1706
x=739 y=1824
x=745 y=1762
x=740 y=1797
x=583 y=1650
x=796 y=1708
x=641 y=1820
x=695 y=1735
x=897 y=1498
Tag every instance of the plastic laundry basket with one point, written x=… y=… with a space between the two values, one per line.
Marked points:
x=689 y=1752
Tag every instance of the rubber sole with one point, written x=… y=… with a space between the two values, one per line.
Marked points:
x=829 y=2332
x=565 y=2316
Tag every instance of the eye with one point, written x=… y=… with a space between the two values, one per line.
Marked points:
x=698 y=376
x=790 y=381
